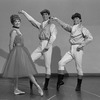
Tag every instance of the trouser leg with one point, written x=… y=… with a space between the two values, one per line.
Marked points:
x=66 y=58
x=47 y=57
x=78 y=59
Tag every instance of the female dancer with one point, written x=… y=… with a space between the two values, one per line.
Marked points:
x=19 y=62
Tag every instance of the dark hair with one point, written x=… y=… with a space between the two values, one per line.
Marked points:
x=76 y=15
x=45 y=11
x=14 y=17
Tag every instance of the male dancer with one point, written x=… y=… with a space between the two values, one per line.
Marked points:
x=79 y=37
x=47 y=36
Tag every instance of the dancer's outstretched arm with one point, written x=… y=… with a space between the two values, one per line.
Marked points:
x=65 y=26
x=30 y=19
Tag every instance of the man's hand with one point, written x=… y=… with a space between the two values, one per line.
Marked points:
x=21 y=12
x=80 y=47
x=44 y=50
x=53 y=18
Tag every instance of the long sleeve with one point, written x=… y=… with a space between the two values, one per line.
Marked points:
x=53 y=35
x=31 y=20
x=87 y=35
x=64 y=25
x=12 y=37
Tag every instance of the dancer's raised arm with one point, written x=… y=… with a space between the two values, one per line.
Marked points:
x=65 y=26
x=30 y=19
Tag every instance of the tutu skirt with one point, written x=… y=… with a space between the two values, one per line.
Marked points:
x=19 y=63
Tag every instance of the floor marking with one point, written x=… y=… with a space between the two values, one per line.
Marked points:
x=73 y=88
x=85 y=91
x=91 y=93
x=51 y=97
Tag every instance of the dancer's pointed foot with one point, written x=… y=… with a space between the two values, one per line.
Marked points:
x=18 y=92
x=40 y=91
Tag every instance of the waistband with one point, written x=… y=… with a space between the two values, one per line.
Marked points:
x=75 y=43
x=44 y=39
x=18 y=44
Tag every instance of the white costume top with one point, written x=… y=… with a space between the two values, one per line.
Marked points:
x=53 y=30
x=79 y=34
x=47 y=31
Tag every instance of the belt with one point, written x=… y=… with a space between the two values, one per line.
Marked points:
x=18 y=44
x=75 y=43
x=44 y=39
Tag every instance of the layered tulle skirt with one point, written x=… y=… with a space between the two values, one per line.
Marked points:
x=19 y=63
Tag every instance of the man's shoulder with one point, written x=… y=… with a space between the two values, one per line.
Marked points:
x=84 y=28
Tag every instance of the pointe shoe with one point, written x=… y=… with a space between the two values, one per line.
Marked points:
x=18 y=92
x=40 y=91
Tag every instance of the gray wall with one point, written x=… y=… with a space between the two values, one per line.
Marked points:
x=63 y=9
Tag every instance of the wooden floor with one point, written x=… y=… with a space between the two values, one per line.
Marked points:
x=90 y=89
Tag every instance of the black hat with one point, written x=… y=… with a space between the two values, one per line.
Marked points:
x=45 y=11
x=76 y=15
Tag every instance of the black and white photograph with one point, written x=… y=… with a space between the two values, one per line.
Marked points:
x=49 y=49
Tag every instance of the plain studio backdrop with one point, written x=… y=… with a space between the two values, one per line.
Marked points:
x=63 y=9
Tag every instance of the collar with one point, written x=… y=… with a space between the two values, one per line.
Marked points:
x=44 y=23
x=15 y=27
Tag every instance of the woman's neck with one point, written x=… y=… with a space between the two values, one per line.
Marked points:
x=15 y=27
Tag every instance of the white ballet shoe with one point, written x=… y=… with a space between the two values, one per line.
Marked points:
x=18 y=92
x=40 y=91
